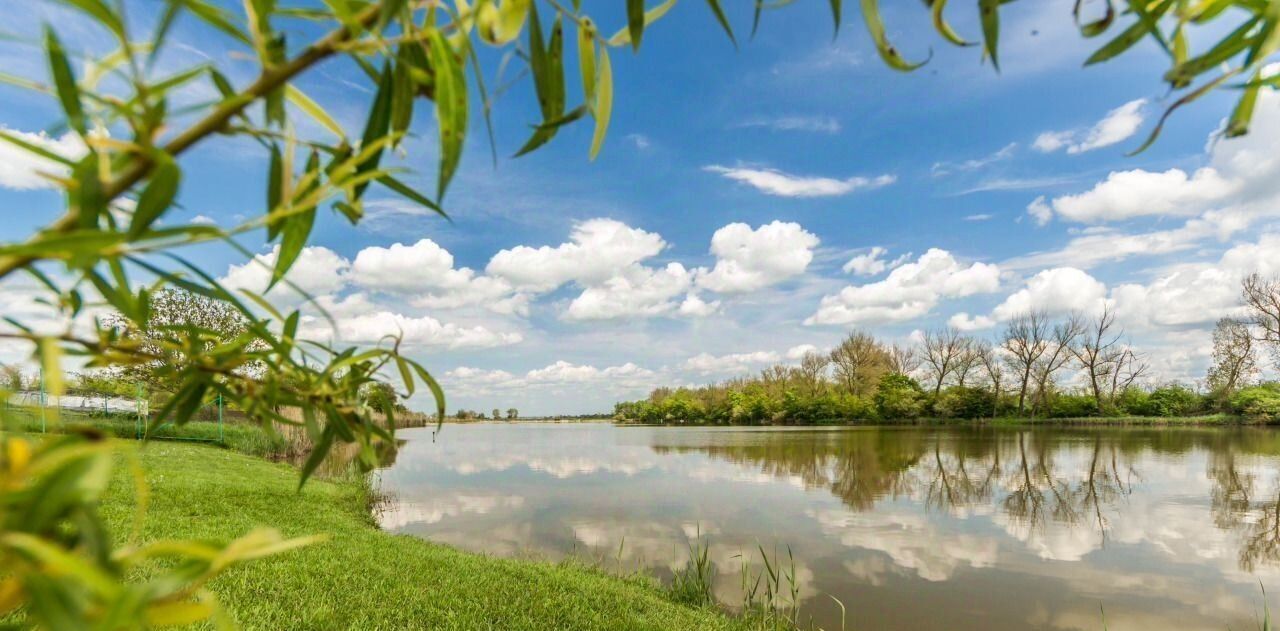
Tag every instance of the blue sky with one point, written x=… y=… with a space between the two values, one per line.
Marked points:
x=749 y=204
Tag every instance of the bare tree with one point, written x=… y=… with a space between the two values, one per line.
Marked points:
x=859 y=361
x=812 y=372
x=943 y=349
x=992 y=368
x=1099 y=352
x=903 y=359
x=1025 y=340
x=1234 y=359
x=1057 y=354
x=1129 y=368
x=1262 y=297
x=967 y=361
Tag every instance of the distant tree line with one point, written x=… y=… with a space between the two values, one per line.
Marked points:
x=512 y=414
x=1037 y=366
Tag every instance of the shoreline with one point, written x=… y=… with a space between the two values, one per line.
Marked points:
x=1209 y=420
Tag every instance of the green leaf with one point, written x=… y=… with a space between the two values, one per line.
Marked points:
x=90 y=202
x=34 y=148
x=1238 y=124
x=587 y=58
x=718 y=11
x=451 y=106
x=544 y=132
x=158 y=196
x=835 y=14
x=402 y=94
x=275 y=189
x=313 y=109
x=940 y=24
x=51 y=365
x=217 y=18
x=635 y=22
x=603 y=107
x=989 y=12
x=624 y=36
x=100 y=12
x=1098 y=26
x=1126 y=39
x=410 y=194
x=319 y=450
x=65 y=82
x=890 y=55
x=376 y=126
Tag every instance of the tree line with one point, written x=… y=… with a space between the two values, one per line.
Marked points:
x=1037 y=366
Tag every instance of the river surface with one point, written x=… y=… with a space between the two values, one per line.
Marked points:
x=909 y=528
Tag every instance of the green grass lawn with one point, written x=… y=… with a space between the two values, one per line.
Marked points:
x=362 y=578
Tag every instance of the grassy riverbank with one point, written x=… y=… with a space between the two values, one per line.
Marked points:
x=1219 y=420
x=362 y=578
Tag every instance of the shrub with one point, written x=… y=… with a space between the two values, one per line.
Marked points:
x=1262 y=402
x=1173 y=400
x=964 y=402
x=1072 y=406
x=899 y=397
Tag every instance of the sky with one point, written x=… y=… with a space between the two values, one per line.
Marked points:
x=748 y=205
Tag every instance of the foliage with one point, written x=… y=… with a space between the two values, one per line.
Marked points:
x=899 y=397
x=1072 y=406
x=1173 y=400
x=1261 y=401
x=964 y=402
x=52 y=490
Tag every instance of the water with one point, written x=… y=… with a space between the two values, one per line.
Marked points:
x=931 y=528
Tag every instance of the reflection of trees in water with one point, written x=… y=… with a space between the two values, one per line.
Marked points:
x=1234 y=508
x=1059 y=477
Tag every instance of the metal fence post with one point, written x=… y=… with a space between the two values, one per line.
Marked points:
x=220 y=435
x=42 y=402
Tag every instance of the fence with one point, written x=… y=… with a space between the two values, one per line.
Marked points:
x=39 y=403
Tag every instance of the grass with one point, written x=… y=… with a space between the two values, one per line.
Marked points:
x=237 y=436
x=362 y=578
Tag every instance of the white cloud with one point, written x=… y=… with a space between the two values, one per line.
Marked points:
x=1056 y=291
x=599 y=249
x=872 y=262
x=204 y=220
x=747 y=260
x=908 y=292
x=1135 y=193
x=1118 y=125
x=800 y=350
x=626 y=377
x=964 y=322
x=816 y=124
x=979 y=217
x=375 y=327
x=641 y=141
x=778 y=183
x=947 y=168
x=636 y=291
x=695 y=307
x=317 y=271
x=20 y=169
x=425 y=270
x=1198 y=293
x=706 y=363
x=1240 y=183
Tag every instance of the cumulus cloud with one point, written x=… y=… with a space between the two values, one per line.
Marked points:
x=426 y=271
x=558 y=374
x=909 y=291
x=871 y=262
x=747 y=259
x=1198 y=293
x=695 y=307
x=1240 y=183
x=374 y=327
x=780 y=184
x=1058 y=290
x=636 y=291
x=1118 y=125
x=707 y=364
x=598 y=249
x=964 y=322
x=20 y=169
x=317 y=271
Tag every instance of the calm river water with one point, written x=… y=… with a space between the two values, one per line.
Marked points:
x=915 y=528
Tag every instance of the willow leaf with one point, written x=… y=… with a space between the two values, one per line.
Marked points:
x=603 y=107
x=875 y=26
x=313 y=109
x=451 y=106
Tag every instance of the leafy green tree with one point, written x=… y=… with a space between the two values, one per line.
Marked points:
x=899 y=397
x=513 y=414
